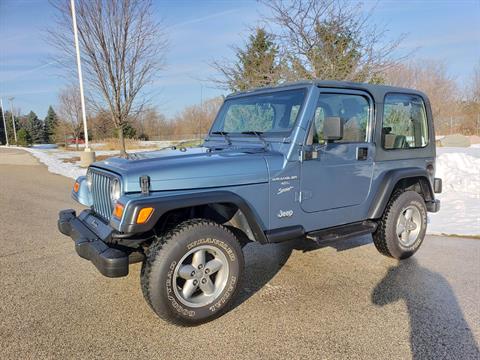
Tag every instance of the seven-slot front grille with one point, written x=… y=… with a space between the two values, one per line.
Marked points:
x=101 y=187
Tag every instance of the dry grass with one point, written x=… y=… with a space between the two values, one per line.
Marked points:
x=130 y=144
x=97 y=158
x=191 y=143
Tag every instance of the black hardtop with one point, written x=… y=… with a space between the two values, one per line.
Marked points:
x=377 y=91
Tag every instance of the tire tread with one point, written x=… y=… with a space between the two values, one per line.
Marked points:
x=385 y=238
x=159 y=249
x=380 y=234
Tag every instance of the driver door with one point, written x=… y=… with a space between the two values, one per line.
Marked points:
x=339 y=173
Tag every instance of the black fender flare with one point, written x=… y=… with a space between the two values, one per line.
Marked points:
x=163 y=204
x=387 y=185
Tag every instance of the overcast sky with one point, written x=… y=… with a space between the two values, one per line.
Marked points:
x=200 y=31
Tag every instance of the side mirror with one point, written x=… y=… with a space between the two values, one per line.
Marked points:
x=332 y=128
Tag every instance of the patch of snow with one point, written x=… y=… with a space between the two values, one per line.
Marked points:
x=159 y=143
x=52 y=158
x=45 y=146
x=141 y=143
x=459 y=169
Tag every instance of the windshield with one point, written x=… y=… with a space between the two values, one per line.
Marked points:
x=269 y=114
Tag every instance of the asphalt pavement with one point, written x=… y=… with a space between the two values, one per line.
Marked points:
x=342 y=300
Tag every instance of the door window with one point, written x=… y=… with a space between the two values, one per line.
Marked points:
x=354 y=110
x=404 y=122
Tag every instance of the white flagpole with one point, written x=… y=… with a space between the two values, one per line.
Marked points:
x=80 y=79
x=13 y=118
x=4 y=123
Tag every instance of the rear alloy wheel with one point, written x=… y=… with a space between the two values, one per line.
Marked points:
x=401 y=229
x=409 y=224
x=193 y=272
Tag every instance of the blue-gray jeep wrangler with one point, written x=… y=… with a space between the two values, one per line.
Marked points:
x=315 y=160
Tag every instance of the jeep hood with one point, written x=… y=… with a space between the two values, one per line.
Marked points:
x=191 y=169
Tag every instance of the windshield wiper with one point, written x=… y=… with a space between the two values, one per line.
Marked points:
x=175 y=146
x=224 y=134
x=260 y=136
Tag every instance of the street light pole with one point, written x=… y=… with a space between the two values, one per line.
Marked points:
x=88 y=156
x=13 y=118
x=202 y=110
x=4 y=123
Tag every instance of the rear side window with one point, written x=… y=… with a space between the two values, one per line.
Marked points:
x=404 y=122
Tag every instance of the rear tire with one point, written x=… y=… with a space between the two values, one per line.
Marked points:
x=402 y=228
x=193 y=272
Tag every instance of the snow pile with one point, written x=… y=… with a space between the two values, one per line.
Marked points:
x=53 y=158
x=460 y=173
x=459 y=213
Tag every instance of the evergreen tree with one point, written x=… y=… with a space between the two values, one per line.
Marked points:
x=129 y=131
x=336 y=54
x=24 y=138
x=34 y=127
x=257 y=65
x=50 y=124
x=331 y=40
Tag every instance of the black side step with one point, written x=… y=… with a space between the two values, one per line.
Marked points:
x=343 y=231
x=285 y=234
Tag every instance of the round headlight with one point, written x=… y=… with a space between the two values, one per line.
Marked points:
x=115 y=192
x=89 y=180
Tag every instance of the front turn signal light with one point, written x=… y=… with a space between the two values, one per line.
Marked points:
x=76 y=187
x=144 y=215
x=118 y=211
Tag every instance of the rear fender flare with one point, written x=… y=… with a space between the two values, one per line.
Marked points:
x=388 y=183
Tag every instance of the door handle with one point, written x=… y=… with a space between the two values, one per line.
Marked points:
x=362 y=153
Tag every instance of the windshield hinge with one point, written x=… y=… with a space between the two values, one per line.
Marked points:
x=145 y=184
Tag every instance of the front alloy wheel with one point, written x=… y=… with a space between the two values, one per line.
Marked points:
x=193 y=272
x=201 y=276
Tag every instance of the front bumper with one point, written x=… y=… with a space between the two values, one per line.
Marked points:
x=90 y=244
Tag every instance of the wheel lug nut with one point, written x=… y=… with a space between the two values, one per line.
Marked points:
x=192 y=273
x=207 y=271
x=200 y=266
x=195 y=282
x=204 y=281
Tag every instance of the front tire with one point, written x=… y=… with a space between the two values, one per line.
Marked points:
x=193 y=272
x=402 y=228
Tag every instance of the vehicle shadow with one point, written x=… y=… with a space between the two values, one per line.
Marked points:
x=263 y=262
x=438 y=329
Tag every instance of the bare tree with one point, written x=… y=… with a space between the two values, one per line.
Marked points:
x=471 y=103
x=475 y=85
x=195 y=120
x=70 y=113
x=331 y=39
x=122 y=49
x=151 y=124
x=432 y=78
